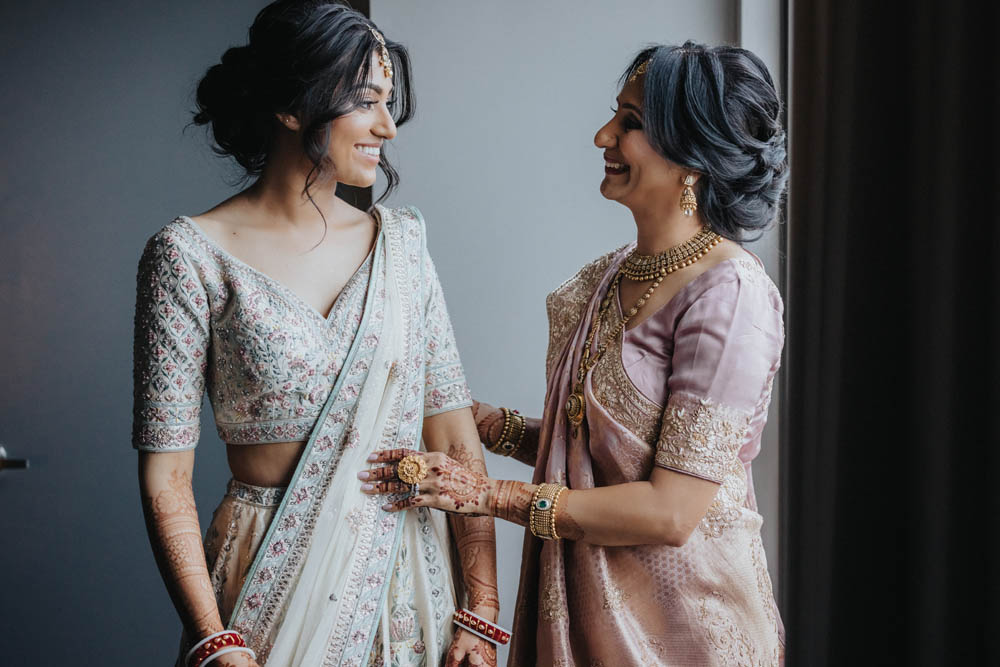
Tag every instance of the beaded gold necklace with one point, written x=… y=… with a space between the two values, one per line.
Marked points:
x=687 y=254
x=641 y=268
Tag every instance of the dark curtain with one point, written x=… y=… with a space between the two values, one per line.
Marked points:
x=891 y=500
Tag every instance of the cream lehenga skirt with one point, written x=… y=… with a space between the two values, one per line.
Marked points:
x=239 y=526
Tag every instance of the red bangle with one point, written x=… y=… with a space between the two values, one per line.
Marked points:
x=206 y=650
x=478 y=625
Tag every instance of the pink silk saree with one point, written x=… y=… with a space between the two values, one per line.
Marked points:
x=687 y=389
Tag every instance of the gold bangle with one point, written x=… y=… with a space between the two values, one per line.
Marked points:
x=541 y=515
x=552 y=513
x=504 y=432
x=511 y=435
x=510 y=447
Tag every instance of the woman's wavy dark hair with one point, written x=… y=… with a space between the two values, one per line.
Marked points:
x=309 y=58
x=715 y=111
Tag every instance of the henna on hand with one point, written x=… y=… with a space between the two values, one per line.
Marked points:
x=486 y=651
x=512 y=501
x=468 y=649
x=466 y=459
x=462 y=487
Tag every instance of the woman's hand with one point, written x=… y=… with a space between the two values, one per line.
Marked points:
x=448 y=486
x=468 y=649
x=240 y=659
x=489 y=422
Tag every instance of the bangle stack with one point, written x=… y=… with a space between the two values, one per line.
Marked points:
x=478 y=625
x=214 y=646
x=542 y=516
x=512 y=434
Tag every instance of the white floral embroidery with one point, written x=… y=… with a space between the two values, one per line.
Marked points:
x=274 y=358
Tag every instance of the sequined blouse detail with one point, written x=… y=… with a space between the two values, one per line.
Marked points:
x=206 y=321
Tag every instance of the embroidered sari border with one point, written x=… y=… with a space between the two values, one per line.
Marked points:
x=304 y=459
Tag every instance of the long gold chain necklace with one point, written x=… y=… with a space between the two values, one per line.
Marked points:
x=691 y=251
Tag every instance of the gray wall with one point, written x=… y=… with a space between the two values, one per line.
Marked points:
x=500 y=159
x=96 y=98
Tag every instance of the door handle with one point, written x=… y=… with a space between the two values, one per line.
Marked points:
x=12 y=464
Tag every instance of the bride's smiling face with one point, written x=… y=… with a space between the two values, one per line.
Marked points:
x=635 y=175
x=356 y=138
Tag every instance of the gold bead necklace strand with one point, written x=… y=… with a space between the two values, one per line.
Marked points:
x=695 y=249
x=640 y=268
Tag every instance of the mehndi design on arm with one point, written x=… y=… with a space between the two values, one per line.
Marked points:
x=475 y=536
x=172 y=518
x=461 y=486
x=513 y=501
x=567 y=526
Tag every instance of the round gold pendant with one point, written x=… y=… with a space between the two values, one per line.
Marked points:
x=576 y=408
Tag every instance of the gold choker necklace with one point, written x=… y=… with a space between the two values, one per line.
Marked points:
x=641 y=268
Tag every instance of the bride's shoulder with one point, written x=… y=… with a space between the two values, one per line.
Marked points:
x=407 y=219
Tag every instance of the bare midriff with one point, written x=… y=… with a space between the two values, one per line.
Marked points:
x=271 y=464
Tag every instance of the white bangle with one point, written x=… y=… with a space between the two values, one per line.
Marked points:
x=229 y=649
x=204 y=641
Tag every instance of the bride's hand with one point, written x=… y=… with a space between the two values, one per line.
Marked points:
x=447 y=486
x=468 y=649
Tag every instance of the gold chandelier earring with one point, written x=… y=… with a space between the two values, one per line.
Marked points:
x=689 y=203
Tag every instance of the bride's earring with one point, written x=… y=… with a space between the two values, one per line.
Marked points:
x=689 y=203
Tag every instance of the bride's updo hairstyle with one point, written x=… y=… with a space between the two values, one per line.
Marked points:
x=308 y=58
x=715 y=111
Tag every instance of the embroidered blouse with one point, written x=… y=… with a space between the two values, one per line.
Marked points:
x=205 y=320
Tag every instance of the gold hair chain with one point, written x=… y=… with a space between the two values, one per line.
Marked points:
x=383 y=55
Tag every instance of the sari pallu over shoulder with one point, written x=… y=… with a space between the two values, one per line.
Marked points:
x=709 y=601
x=326 y=535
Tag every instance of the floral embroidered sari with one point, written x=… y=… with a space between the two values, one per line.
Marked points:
x=335 y=580
x=688 y=390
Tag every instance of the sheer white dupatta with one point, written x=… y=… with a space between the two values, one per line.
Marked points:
x=317 y=589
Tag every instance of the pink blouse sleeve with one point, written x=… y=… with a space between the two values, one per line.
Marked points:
x=171 y=349
x=726 y=348
x=445 y=388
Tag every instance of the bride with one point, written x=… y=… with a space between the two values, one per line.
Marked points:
x=320 y=333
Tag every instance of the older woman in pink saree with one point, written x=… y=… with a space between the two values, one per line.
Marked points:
x=644 y=542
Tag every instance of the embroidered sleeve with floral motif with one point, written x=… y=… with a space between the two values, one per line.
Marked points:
x=445 y=388
x=170 y=349
x=726 y=345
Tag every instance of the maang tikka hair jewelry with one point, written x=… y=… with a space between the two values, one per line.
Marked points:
x=639 y=71
x=689 y=203
x=383 y=55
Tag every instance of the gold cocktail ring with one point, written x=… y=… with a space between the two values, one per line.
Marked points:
x=412 y=469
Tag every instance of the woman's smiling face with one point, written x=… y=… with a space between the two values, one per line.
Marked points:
x=356 y=138
x=635 y=175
